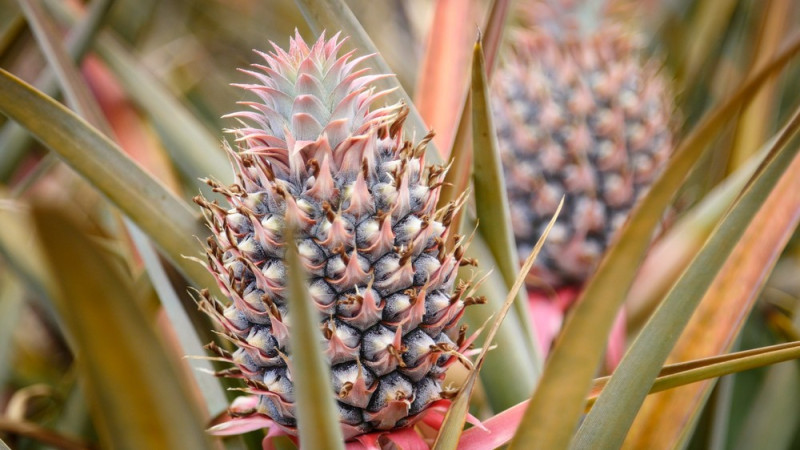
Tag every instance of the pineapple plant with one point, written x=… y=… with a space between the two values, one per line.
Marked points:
x=578 y=114
x=317 y=153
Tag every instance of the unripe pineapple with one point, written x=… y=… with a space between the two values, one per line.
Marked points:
x=577 y=113
x=314 y=154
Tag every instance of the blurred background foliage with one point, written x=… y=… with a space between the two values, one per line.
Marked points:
x=160 y=73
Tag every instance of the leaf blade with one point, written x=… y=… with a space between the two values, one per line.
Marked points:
x=116 y=345
x=622 y=398
x=455 y=418
x=165 y=218
x=491 y=201
x=316 y=412
x=720 y=315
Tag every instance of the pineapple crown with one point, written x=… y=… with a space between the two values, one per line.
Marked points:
x=314 y=105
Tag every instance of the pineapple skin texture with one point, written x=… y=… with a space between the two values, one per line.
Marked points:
x=579 y=116
x=312 y=153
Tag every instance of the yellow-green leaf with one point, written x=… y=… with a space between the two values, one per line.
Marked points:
x=137 y=398
x=721 y=314
x=608 y=422
x=491 y=201
x=317 y=416
x=166 y=219
x=456 y=416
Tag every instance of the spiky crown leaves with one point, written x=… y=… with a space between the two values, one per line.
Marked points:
x=314 y=105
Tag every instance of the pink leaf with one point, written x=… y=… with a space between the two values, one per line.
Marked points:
x=496 y=431
x=242 y=425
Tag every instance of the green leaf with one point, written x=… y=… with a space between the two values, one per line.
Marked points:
x=14 y=140
x=719 y=317
x=491 y=201
x=166 y=219
x=195 y=150
x=214 y=395
x=567 y=376
x=21 y=253
x=510 y=374
x=673 y=251
x=456 y=416
x=609 y=421
x=676 y=375
x=12 y=301
x=137 y=398
x=317 y=416
x=772 y=420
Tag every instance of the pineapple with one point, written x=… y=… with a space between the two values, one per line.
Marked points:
x=314 y=154
x=578 y=114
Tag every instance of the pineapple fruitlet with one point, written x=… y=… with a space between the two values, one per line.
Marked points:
x=577 y=114
x=314 y=153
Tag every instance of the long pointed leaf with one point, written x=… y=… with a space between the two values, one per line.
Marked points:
x=194 y=149
x=515 y=335
x=13 y=138
x=722 y=312
x=491 y=201
x=567 y=376
x=502 y=426
x=80 y=97
x=137 y=397
x=674 y=250
x=166 y=219
x=609 y=421
x=456 y=416
x=11 y=304
x=317 y=416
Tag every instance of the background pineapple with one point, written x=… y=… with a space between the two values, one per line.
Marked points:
x=578 y=113
x=316 y=154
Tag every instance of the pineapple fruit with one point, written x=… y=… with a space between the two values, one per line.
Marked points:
x=313 y=153
x=577 y=114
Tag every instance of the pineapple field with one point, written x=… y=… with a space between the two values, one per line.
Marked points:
x=399 y=224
